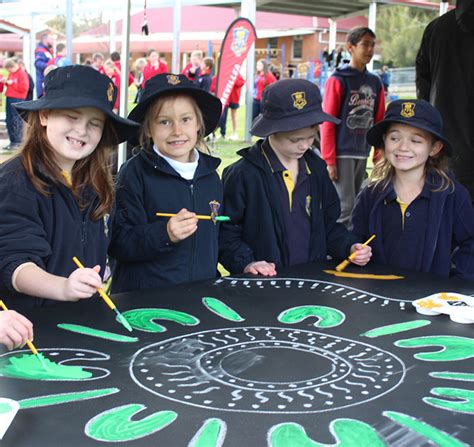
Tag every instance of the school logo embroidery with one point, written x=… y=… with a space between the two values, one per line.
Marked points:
x=299 y=100
x=110 y=92
x=173 y=79
x=408 y=109
x=239 y=42
x=308 y=205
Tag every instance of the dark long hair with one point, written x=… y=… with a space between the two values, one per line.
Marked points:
x=91 y=172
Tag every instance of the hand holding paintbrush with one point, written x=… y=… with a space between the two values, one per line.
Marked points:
x=340 y=267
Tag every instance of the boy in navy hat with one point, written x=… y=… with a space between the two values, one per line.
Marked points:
x=423 y=218
x=282 y=205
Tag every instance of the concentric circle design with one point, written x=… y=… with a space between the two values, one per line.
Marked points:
x=241 y=370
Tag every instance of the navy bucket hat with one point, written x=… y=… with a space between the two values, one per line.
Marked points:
x=168 y=83
x=290 y=104
x=412 y=112
x=78 y=86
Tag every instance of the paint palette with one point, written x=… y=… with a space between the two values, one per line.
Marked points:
x=460 y=308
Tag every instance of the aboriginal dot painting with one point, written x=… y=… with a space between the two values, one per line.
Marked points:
x=305 y=359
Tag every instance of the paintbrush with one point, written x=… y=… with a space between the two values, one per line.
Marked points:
x=28 y=342
x=347 y=261
x=198 y=216
x=109 y=302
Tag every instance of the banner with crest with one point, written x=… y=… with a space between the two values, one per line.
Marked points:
x=239 y=38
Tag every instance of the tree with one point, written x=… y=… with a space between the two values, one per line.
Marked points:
x=400 y=29
x=79 y=24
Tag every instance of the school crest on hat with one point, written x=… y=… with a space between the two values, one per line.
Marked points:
x=299 y=100
x=110 y=92
x=173 y=79
x=408 y=109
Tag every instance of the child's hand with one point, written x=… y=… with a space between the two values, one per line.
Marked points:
x=82 y=283
x=15 y=329
x=363 y=254
x=332 y=171
x=181 y=226
x=263 y=268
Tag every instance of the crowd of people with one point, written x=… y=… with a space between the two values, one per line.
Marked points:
x=283 y=200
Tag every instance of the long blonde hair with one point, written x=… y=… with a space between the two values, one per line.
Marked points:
x=154 y=109
x=93 y=171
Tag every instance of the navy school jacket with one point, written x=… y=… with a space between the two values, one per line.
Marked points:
x=449 y=238
x=256 y=230
x=144 y=256
x=45 y=230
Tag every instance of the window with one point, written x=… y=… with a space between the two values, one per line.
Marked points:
x=297 y=47
x=273 y=43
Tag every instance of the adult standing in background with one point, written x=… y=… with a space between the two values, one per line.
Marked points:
x=43 y=54
x=445 y=77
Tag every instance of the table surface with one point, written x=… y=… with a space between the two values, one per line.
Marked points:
x=280 y=362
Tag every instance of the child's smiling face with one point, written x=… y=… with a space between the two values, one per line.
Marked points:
x=73 y=133
x=174 y=128
x=407 y=148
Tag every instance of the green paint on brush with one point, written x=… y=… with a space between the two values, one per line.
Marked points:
x=211 y=434
x=26 y=366
x=464 y=404
x=440 y=438
x=221 y=309
x=327 y=316
x=348 y=433
x=85 y=330
x=395 y=328
x=5 y=408
x=55 y=399
x=452 y=348
x=468 y=377
x=142 y=319
x=223 y=218
x=115 y=425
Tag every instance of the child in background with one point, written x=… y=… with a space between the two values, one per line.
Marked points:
x=15 y=329
x=171 y=175
x=17 y=85
x=154 y=66
x=111 y=71
x=422 y=217
x=204 y=78
x=282 y=205
x=55 y=195
x=191 y=71
x=263 y=78
x=356 y=96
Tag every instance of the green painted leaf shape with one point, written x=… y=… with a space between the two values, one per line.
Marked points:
x=452 y=348
x=347 y=432
x=440 y=438
x=55 y=399
x=221 y=309
x=395 y=328
x=92 y=332
x=211 y=434
x=464 y=402
x=143 y=319
x=327 y=316
x=115 y=425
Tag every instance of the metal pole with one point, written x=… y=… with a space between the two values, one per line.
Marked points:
x=176 y=35
x=443 y=7
x=32 y=67
x=249 y=10
x=69 y=30
x=122 y=152
x=372 y=21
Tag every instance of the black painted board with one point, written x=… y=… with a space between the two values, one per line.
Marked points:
x=279 y=368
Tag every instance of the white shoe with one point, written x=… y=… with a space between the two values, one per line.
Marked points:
x=234 y=137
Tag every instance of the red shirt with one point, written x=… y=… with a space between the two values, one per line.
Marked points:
x=19 y=88
x=119 y=68
x=261 y=82
x=189 y=74
x=234 y=96
x=149 y=71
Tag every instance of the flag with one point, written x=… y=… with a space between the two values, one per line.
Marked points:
x=239 y=38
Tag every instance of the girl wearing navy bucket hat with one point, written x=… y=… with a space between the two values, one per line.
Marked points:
x=423 y=218
x=56 y=194
x=170 y=174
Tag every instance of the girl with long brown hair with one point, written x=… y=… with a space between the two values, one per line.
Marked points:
x=55 y=196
